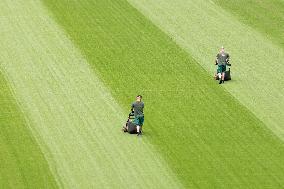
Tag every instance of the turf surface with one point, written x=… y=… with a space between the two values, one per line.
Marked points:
x=69 y=111
x=23 y=165
x=60 y=124
x=201 y=27
x=265 y=16
x=204 y=145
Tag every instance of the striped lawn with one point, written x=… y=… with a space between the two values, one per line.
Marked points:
x=205 y=146
x=201 y=27
x=70 y=113
x=265 y=16
x=22 y=163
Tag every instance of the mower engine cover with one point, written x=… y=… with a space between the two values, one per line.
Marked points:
x=227 y=75
x=131 y=127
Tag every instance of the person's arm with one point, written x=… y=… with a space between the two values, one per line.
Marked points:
x=132 y=107
x=216 y=60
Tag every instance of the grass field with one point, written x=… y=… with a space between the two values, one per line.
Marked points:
x=265 y=16
x=258 y=62
x=71 y=114
x=72 y=69
x=22 y=162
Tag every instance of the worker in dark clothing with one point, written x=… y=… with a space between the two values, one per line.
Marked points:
x=138 y=107
x=222 y=59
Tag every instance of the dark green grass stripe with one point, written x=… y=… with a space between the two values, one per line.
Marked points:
x=265 y=16
x=22 y=162
x=205 y=135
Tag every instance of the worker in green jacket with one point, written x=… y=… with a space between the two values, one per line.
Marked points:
x=138 y=107
x=222 y=59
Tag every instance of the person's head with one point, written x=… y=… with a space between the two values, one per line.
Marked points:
x=222 y=49
x=138 y=98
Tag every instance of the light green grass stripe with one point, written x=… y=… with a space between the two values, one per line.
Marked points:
x=201 y=27
x=72 y=115
x=22 y=164
x=265 y=16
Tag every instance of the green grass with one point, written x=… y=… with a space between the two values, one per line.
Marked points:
x=59 y=123
x=265 y=16
x=70 y=113
x=205 y=146
x=22 y=162
x=201 y=28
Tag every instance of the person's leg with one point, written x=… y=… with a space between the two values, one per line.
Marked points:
x=137 y=123
x=219 y=73
x=223 y=76
x=219 y=76
x=223 y=73
x=141 y=122
x=222 y=70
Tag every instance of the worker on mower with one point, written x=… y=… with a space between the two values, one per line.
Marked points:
x=222 y=59
x=138 y=107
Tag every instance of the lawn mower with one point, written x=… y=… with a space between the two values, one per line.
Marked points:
x=227 y=74
x=130 y=125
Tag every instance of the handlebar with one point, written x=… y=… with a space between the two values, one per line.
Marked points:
x=227 y=64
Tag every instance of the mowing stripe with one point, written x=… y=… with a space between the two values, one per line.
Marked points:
x=201 y=27
x=265 y=16
x=22 y=163
x=70 y=112
x=205 y=146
